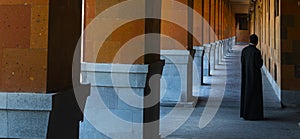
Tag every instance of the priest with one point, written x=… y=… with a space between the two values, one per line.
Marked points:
x=251 y=107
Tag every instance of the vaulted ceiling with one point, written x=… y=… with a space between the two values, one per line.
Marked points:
x=240 y=6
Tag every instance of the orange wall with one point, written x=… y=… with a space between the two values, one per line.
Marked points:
x=113 y=43
x=23 y=45
x=206 y=27
x=212 y=21
x=198 y=21
x=228 y=21
x=171 y=10
x=267 y=27
x=90 y=11
x=117 y=39
x=217 y=20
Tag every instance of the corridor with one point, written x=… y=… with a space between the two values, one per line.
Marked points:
x=145 y=69
x=278 y=123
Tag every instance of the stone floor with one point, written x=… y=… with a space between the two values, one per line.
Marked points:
x=217 y=112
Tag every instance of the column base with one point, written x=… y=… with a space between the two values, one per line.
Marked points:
x=24 y=115
x=206 y=59
x=117 y=92
x=188 y=104
x=176 y=85
x=198 y=64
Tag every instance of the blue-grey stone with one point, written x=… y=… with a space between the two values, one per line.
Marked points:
x=115 y=78
x=122 y=105
x=29 y=101
x=126 y=115
x=88 y=131
x=3 y=102
x=290 y=98
x=27 y=124
x=3 y=124
x=138 y=116
x=114 y=68
x=24 y=115
x=273 y=83
x=175 y=56
x=176 y=85
x=108 y=96
x=115 y=84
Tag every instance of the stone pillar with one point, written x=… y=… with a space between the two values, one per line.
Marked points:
x=198 y=61
x=117 y=97
x=213 y=55
x=151 y=113
x=221 y=51
x=25 y=115
x=177 y=86
x=230 y=43
x=148 y=51
x=217 y=53
x=37 y=82
x=207 y=58
x=225 y=47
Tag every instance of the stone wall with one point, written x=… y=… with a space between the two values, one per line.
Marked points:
x=278 y=36
x=276 y=25
x=23 y=45
x=109 y=52
x=228 y=27
x=198 y=22
x=174 y=10
x=290 y=45
x=212 y=12
x=267 y=27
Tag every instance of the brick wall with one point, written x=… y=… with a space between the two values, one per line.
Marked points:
x=290 y=45
x=23 y=45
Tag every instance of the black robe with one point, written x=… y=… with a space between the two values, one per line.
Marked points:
x=251 y=92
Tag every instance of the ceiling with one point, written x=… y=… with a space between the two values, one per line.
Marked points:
x=240 y=6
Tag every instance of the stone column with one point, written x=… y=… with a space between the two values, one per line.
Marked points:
x=142 y=120
x=25 y=115
x=213 y=55
x=176 y=88
x=217 y=53
x=207 y=58
x=198 y=61
x=225 y=48
x=221 y=51
x=117 y=98
x=37 y=88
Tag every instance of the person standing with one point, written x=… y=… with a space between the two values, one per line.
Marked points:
x=251 y=107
